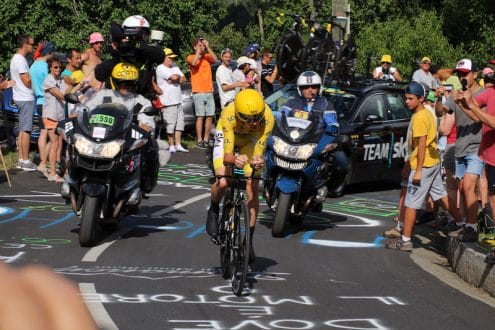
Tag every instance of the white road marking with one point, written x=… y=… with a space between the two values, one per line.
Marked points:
x=96 y=309
x=94 y=253
x=368 y=222
x=178 y=206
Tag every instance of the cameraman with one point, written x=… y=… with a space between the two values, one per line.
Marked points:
x=129 y=44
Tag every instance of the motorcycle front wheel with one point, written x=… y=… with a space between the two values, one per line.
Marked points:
x=282 y=214
x=90 y=213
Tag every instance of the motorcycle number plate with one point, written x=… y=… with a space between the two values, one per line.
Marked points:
x=298 y=122
x=301 y=114
x=99 y=132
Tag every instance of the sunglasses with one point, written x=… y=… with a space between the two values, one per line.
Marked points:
x=310 y=86
x=56 y=67
x=251 y=119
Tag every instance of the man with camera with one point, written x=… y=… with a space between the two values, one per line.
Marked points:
x=468 y=166
x=129 y=44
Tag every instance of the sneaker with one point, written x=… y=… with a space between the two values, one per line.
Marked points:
x=252 y=255
x=393 y=233
x=212 y=222
x=180 y=148
x=172 y=149
x=426 y=217
x=469 y=235
x=28 y=166
x=43 y=170
x=201 y=144
x=399 y=244
x=19 y=164
x=457 y=232
x=55 y=178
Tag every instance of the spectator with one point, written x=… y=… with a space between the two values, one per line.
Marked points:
x=91 y=57
x=423 y=74
x=48 y=300
x=168 y=78
x=252 y=76
x=74 y=62
x=228 y=87
x=386 y=70
x=425 y=178
x=38 y=73
x=468 y=165
x=252 y=51
x=53 y=112
x=269 y=72
x=486 y=72
x=4 y=84
x=243 y=67
x=447 y=78
x=487 y=145
x=23 y=96
x=202 y=87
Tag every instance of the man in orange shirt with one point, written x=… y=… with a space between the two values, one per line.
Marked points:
x=202 y=87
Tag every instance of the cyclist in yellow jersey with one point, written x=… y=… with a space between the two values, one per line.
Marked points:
x=244 y=124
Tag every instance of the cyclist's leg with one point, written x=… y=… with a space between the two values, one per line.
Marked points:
x=219 y=186
x=252 y=191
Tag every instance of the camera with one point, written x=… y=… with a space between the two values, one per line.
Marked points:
x=448 y=87
x=489 y=78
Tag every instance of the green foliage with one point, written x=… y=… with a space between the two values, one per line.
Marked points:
x=445 y=30
x=407 y=41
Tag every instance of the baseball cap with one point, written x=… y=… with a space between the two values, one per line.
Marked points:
x=426 y=59
x=251 y=48
x=95 y=37
x=169 y=53
x=242 y=60
x=466 y=65
x=386 y=59
x=416 y=88
x=47 y=47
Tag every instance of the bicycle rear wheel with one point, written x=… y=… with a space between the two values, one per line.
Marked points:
x=288 y=54
x=240 y=248
x=224 y=234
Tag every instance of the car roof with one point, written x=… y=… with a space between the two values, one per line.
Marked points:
x=365 y=86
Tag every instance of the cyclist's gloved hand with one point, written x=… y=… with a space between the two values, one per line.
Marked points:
x=241 y=161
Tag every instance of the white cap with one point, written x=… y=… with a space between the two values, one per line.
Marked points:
x=252 y=64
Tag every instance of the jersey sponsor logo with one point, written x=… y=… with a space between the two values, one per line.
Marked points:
x=377 y=151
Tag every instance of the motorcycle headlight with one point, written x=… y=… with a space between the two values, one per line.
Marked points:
x=89 y=148
x=284 y=149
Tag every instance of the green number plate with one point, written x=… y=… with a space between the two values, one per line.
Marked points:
x=102 y=119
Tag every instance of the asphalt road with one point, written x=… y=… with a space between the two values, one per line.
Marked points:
x=160 y=271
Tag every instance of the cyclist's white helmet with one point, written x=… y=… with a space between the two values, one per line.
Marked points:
x=308 y=78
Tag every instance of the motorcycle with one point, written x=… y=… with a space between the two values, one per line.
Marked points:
x=105 y=158
x=298 y=162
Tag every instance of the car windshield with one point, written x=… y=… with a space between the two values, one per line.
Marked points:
x=342 y=101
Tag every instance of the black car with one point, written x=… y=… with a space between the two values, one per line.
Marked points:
x=374 y=117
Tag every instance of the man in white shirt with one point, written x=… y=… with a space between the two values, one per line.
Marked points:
x=423 y=74
x=228 y=86
x=23 y=96
x=168 y=80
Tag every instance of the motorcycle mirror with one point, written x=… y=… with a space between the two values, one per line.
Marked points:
x=71 y=98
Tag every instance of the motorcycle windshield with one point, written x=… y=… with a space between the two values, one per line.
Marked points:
x=106 y=121
x=298 y=130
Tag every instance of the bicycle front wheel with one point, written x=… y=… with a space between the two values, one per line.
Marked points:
x=241 y=244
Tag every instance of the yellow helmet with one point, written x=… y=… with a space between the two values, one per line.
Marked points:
x=124 y=73
x=386 y=58
x=249 y=106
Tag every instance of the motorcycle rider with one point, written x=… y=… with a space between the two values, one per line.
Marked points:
x=124 y=81
x=129 y=43
x=310 y=105
x=246 y=124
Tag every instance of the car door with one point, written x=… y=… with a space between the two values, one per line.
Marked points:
x=371 y=138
